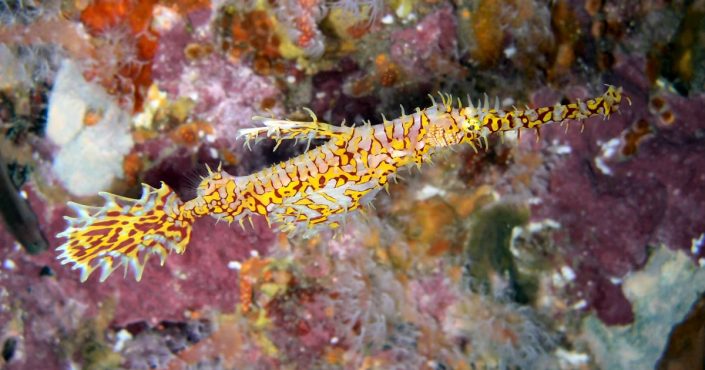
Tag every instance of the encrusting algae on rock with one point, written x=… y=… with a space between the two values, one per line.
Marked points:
x=316 y=188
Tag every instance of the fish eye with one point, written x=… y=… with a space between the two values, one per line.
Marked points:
x=204 y=186
x=471 y=124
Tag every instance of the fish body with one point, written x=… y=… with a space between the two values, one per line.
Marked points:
x=316 y=188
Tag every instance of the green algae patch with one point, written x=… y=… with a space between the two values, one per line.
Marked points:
x=89 y=344
x=489 y=250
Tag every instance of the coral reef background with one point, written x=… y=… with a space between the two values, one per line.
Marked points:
x=580 y=249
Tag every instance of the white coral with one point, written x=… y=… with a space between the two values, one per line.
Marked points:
x=90 y=157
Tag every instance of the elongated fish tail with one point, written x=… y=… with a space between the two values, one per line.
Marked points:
x=602 y=106
x=126 y=232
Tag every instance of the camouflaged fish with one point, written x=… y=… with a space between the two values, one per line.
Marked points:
x=318 y=187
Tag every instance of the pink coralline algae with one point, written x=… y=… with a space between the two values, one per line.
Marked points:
x=213 y=285
x=613 y=208
x=226 y=94
x=427 y=45
x=434 y=295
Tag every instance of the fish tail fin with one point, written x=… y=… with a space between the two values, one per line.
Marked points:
x=125 y=232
